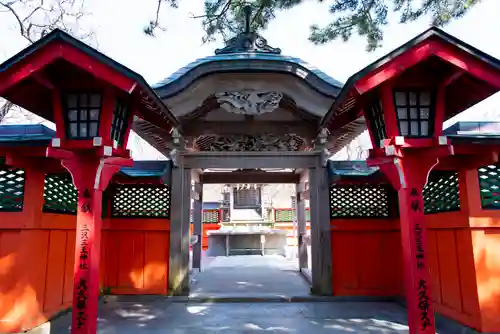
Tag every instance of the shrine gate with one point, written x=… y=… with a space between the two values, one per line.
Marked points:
x=416 y=221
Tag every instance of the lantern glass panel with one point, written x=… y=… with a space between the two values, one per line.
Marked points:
x=413 y=99
x=73 y=115
x=414 y=111
x=73 y=129
x=94 y=114
x=404 y=128
x=375 y=116
x=94 y=127
x=401 y=99
x=120 y=121
x=414 y=128
x=424 y=128
x=425 y=98
x=72 y=101
x=83 y=129
x=82 y=114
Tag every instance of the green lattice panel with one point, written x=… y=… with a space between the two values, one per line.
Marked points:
x=284 y=215
x=441 y=193
x=59 y=194
x=489 y=186
x=359 y=201
x=210 y=216
x=11 y=189
x=141 y=201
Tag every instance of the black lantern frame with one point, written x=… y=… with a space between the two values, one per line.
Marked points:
x=415 y=112
x=82 y=114
x=121 y=116
x=374 y=113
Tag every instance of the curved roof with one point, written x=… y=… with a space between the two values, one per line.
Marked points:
x=248 y=52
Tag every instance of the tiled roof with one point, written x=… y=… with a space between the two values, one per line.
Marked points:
x=26 y=133
x=250 y=56
x=350 y=168
x=147 y=169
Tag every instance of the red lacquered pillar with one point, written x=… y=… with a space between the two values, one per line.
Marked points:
x=91 y=175
x=414 y=170
x=87 y=256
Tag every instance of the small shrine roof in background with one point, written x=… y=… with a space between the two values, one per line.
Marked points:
x=351 y=168
x=22 y=134
x=155 y=168
x=473 y=128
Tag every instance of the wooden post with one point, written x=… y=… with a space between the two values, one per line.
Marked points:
x=178 y=271
x=301 y=228
x=320 y=231
x=198 y=229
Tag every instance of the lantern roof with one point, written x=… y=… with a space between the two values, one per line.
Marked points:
x=16 y=72
x=476 y=71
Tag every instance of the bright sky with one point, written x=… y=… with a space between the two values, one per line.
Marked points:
x=118 y=26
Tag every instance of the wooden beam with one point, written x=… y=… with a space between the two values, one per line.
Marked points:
x=300 y=128
x=249 y=177
x=284 y=159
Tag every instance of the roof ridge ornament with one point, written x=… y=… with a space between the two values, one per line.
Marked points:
x=247 y=41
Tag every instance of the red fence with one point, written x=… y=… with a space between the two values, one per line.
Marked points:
x=464 y=248
x=37 y=247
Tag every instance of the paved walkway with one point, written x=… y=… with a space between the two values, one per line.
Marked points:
x=245 y=277
x=181 y=318
x=249 y=275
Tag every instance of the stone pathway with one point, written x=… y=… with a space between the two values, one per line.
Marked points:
x=242 y=278
x=192 y=318
x=249 y=275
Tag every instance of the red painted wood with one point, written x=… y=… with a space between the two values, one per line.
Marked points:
x=390 y=120
x=105 y=123
x=415 y=258
x=98 y=69
x=87 y=256
x=91 y=175
x=29 y=65
x=395 y=66
x=468 y=63
x=408 y=174
x=58 y=114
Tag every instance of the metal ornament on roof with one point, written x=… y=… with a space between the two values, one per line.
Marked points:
x=247 y=41
x=249 y=102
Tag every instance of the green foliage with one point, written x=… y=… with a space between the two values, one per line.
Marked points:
x=366 y=18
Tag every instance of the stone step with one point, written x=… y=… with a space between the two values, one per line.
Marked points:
x=272 y=298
